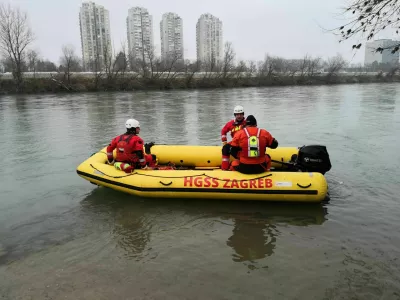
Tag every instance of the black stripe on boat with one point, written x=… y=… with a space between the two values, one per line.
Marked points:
x=203 y=190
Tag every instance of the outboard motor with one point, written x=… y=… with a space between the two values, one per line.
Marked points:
x=312 y=158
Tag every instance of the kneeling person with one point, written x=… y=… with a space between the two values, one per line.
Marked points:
x=252 y=142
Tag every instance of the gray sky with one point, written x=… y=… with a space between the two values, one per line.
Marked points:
x=287 y=28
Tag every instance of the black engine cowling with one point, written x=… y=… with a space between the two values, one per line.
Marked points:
x=313 y=158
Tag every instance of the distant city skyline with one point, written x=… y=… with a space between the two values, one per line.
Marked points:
x=285 y=28
x=96 y=39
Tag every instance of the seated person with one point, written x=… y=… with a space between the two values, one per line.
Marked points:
x=130 y=154
x=252 y=142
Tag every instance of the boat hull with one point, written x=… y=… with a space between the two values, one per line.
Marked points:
x=205 y=183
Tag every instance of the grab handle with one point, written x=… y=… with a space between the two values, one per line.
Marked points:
x=166 y=184
x=304 y=186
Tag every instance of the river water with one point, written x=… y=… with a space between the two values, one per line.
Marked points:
x=63 y=238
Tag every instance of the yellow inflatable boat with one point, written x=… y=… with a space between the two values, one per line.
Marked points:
x=296 y=175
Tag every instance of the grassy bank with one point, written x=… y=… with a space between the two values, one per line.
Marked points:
x=96 y=84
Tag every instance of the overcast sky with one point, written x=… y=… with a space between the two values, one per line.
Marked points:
x=287 y=28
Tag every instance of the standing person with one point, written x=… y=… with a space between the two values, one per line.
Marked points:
x=232 y=126
x=252 y=142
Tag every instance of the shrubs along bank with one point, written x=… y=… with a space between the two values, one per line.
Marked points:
x=76 y=83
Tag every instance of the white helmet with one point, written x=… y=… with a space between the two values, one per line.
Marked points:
x=238 y=110
x=132 y=123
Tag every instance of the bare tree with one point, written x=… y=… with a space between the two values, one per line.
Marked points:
x=172 y=66
x=69 y=61
x=190 y=70
x=368 y=18
x=32 y=61
x=228 y=60
x=109 y=63
x=314 y=64
x=153 y=62
x=266 y=67
x=335 y=64
x=239 y=70
x=252 y=69
x=303 y=66
x=139 y=64
x=262 y=68
x=117 y=64
x=210 y=66
x=15 y=37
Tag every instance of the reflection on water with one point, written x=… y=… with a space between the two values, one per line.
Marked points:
x=252 y=238
x=254 y=226
x=255 y=235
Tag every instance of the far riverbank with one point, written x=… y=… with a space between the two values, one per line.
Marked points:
x=77 y=84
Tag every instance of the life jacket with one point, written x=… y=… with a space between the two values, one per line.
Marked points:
x=253 y=148
x=124 y=149
x=236 y=126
